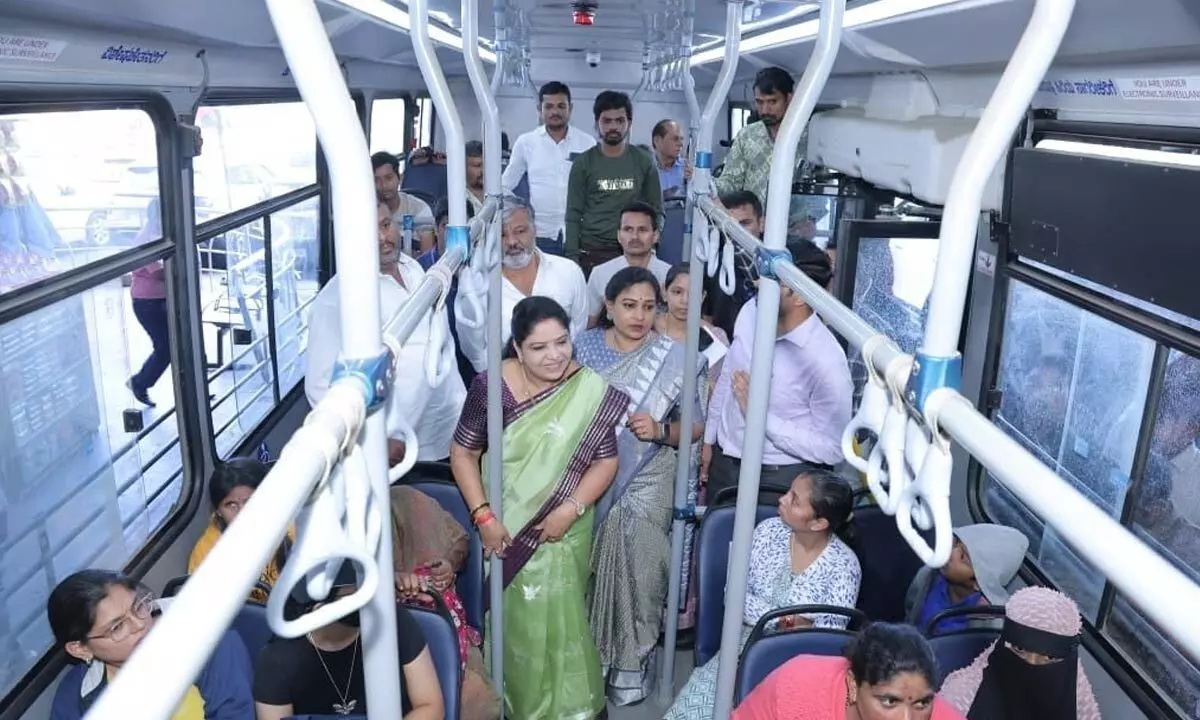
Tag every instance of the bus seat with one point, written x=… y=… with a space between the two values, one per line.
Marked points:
x=522 y=188
x=435 y=479
x=428 y=179
x=768 y=494
x=765 y=651
x=670 y=242
x=442 y=640
x=956 y=649
x=712 y=562
x=251 y=625
x=888 y=564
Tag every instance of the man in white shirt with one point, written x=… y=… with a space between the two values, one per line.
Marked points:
x=545 y=155
x=526 y=271
x=431 y=412
x=638 y=234
x=400 y=204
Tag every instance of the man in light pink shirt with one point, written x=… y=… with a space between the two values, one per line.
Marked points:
x=811 y=391
x=149 y=293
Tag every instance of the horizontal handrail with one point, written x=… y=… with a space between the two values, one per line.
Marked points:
x=1159 y=589
x=210 y=229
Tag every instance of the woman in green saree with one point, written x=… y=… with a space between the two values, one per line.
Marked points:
x=560 y=454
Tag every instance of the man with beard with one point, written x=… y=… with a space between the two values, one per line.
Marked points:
x=475 y=175
x=527 y=271
x=544 y=156
x=638 y=233
x=748 y=165
x=604 y=180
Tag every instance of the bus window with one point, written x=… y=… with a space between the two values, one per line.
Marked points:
x=77 y=488
x=256 y=280
x=387 y=126
x=75 y=187
x=1066 y=377
x=1166 y=515
x=252 y=153
x=423 y=129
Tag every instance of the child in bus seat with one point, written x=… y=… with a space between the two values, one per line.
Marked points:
x=985 y=559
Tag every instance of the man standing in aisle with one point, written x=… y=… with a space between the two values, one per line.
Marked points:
x=400 y=204
x=748 y=165
x=431 y=412
x=604 y=180
x=674 y=170
x=638 y=234
x=811 y=391
x=526 y=271
x=544 y=157
x=475 y=191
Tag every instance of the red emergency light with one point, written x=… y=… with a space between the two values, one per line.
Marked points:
x=584 y=16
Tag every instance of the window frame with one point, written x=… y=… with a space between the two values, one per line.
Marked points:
x=31 y=298
x=1166 y=335
x=262 y=212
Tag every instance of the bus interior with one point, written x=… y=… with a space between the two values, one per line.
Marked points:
x=134 y=131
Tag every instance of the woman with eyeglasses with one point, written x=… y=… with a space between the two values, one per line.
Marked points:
x=229 y=490
x=100 y=616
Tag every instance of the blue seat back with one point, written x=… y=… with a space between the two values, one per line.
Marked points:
x=435 y=480
x=251 y=625
x=956 y=650
x=764 y=652
x=888 y=564
x=442 y=640
x=428 y=178
x=670 y=241
x=712 y=564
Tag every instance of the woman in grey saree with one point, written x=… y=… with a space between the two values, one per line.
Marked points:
x=631 y=550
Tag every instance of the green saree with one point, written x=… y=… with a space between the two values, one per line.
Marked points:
x=552 y=670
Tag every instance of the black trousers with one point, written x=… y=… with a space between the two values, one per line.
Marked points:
x=151 y=314
x=724 y=469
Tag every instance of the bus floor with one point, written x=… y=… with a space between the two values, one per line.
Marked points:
x=651 y=708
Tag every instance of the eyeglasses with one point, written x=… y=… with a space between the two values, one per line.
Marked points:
x=120 y=629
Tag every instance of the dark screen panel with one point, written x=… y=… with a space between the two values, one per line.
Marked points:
x=1130 y=226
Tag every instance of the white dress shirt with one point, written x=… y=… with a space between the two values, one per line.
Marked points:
x=548 y=165
x=557 y=278
x=604 y=272
x=432 y=412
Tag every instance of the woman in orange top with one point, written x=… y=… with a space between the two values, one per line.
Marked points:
x=231 y=486
x=888 y=672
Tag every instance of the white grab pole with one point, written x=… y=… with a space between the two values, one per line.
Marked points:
x=448 y=118
x=779 y=192
x=486 y=99
x=700 y=185
x=987 y=146
x=322 y=85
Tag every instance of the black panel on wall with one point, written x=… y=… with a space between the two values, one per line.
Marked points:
x=1130 y=226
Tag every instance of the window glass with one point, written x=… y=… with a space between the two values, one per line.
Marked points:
x=1166 y=515
x=424 y=122
x=252 y=153
x=892 y=281
x=75 y=187
x=295 y=256
x=1069 y=382
x=233 y=290
x=739 y=118
x=387 y=126
x=78 y=487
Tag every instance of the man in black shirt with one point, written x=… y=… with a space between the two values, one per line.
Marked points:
x=719 y=308
x=322 y=673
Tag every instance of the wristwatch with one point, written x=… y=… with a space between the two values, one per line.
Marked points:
x=580 y=508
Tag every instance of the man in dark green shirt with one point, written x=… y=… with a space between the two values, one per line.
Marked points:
x=603 y=181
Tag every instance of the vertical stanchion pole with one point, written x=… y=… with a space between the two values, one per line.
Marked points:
x=779 y=192
x=491 y=245
x=318 y=76
x=701 y=183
